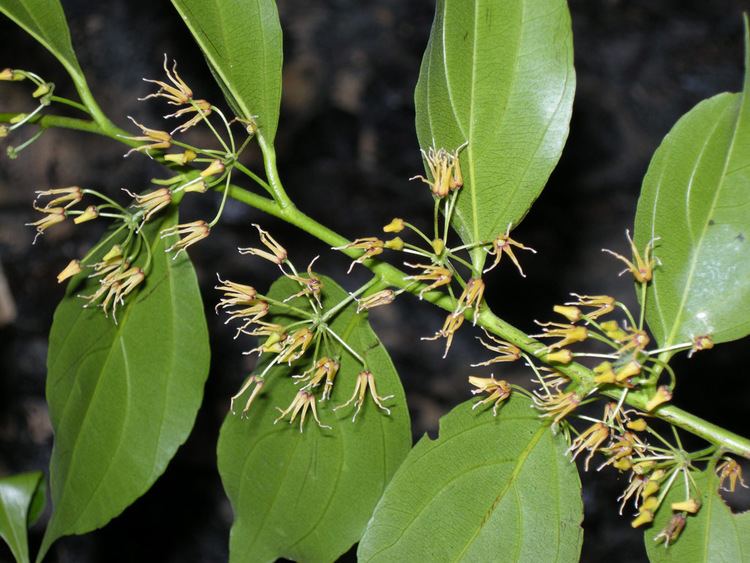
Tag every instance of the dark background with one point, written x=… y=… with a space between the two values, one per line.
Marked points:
x=346 y=147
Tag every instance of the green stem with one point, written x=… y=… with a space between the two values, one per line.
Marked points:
x=269 y=161
x=283 y=208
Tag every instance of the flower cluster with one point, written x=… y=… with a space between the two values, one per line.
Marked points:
x=438 y=265
x=304 y=341
x=199 y=169
x=42 y=95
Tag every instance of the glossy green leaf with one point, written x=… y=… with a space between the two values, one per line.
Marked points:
x=22 y=500
x=45 y=21
x=499 y=75
x=242 y=42
x=487 y=489
x=122 y=397
x=713 y=535
x=307 y=496
x=696 y=201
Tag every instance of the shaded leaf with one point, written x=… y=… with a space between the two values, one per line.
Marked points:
x=498 y=75
x=488 y=489
x=713 y=535
x=22 y=500
x=307 y=496
x=243 y=45
x=45 y=21
x=696 y=200
x=122 y=397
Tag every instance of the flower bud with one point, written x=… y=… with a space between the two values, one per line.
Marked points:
x=394 y=244
x=639 y=425
x=181 y=158
x=438 y=245
x=197 y=187
x=573 y=314
x=563 y=356
x=89 y=214
x=691 y=505
x=42 y=90
x=395 y=226
x=662 y=395
x=644 y=517
x=72 y=269
x=216 y=167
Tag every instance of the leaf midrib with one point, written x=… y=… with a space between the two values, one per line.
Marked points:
x=695 y=255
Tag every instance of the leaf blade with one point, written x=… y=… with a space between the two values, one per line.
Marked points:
x=21 y=501
x=123 y=398
x=307 y=496
x=501 y=78
x=694 y=199
x=237 y=38
x=459 y=497
x=45 y=21
x=713 y=535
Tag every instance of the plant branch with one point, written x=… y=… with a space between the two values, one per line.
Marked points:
x=282 y=208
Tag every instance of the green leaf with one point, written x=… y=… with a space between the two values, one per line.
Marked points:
x=307 y=496
x=22 y=500
x=45 y=21
x=243 y=45
x=713 y=535
x=488 y=489
x=696 y=200
x=498 y=75
x=122 y=397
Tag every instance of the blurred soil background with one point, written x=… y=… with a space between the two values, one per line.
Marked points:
x=347 y=147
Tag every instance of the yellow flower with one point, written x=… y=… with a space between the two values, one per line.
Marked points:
x=295 y=346
x=190 y=233
x=445 y=171
x=152 y=139
x=365 y=381
x=506 y=352
x=662 y=395
x=590 y=439
x=573 y=314
x=275 y=253
x=378 y=299
x=602 y=304
x=452 y=323
x=472 y=295
x=700 y=343
x=498 y=391
x=730 y=469
x=176 y=92
x=641 y=268
x=395 y=226
x=72 y=269
x=568 y=334
x=311 y=285
x=371 y=246
x=300 y=404
x=691 y=505
x=438 y=275
x=89 y=214
x=68 y=196
x=234 y=294
x=253 y=379
x=504 y=244
x=557 y=405
x=152 y=202
x=53 y=216
x=201 y=108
